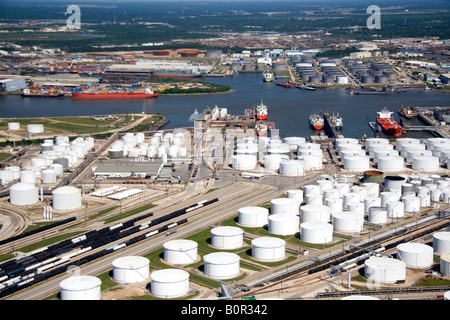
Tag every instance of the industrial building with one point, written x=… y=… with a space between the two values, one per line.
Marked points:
x=10 y=83
x=126 y=169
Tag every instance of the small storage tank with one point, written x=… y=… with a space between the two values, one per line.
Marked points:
x=415 y=255
x=48 y=176
x=253 y=217
x=284 y=206
x=180 y=251
x=371 y=202
x=395 y=209
x=227 y=238
x=169 y=283
x=388 y=196
x=27 y=176
x=444 y=267
x=283 y=224
x=23 y=194
x=441 y=242
x=131 y=269
x=35 y=128
x=384 y=270
x=316 y=232
x=13 y=126
x=80 y=288
x=66 y=198
x=268 y=249
x=347 y=221
x=315 y=213
x=335 y=204
x=221 y=265
x=377 y=215
x=412 y=203
x=292 y=168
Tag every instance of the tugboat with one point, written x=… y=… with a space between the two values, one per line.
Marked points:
x=407 y=112
x=268 y=76
x=316 y=121
x=388 y=124
x=261 y=111
x=337 y=121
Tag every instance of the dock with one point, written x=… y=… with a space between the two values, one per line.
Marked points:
x=329 y=128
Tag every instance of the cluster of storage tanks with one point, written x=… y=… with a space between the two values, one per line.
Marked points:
x=48 y=166
x=328 y=72
x=422 y=155
x=410 y=255
x=161 y=145
x=31 y=128
x=370 y=72
x=290 y=156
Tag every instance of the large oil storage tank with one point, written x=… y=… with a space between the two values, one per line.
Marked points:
x=180 y=251
x=48 y=176
x=347 y=221
x=316 y=232
x=66 y=198
x=319 y=213
x=441 y=242
x=284 y=206
x=272 y=161
x=283 y=224
x=213 y=53
x=356 y=163
x=371 y=202
x=80 y=288
x=415 y=255
x=221 y=265
x=227 y=237
x=394 y=182
x=292 y=168
x=253 y=217
x=244 y=162
x=169 y=283
x=13 y=125
x=444 y=267
x=268 y=249
x=425 y=163
x=35 y=128
x=377 y=215
x=279 y=66
x=395 y=209
x=23 y=194
x=131 y=269
x=412 y=203
x=384 y=270
x=391 y=163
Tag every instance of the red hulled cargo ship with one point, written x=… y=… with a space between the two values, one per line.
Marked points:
x=388 y=124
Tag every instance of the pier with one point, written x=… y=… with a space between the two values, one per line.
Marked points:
x=329 y=128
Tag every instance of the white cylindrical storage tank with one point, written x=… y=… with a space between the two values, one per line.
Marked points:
x=39 y=163
x=335 y=204
x=384 y=270
x=394 y=182
x=35 y=128
x=391 y=163
x=330 y=193
x=371 y=202
x=412 y=203
x=227 y=238
x=27 y=176
x=131 y=269
x=415 y=255
x=400 y=142
x=316 y=232
x=283 y=224
x=410 y=147
x=314 y=199
x=292 y=168
x=13 y=126
x=23 y=194
x=376 y=141
x=373 y=189
x=356 y=163
x=311 y=161
x=295 y=194
x=180 y=251
x=48 y=176
x=354 y=206
x=425 y=163
x=221 y=265
x=169 y=283
x=425 y=200
x=268 y=249
x=446 y=196
x=380 y=147
x=315 y=213
x=243 y=162
x=311 y=189
x=444 y=268
x=80 y=288
x=383 y=153
x=347 y=221
x=350 y=197
x=284 y=206
x=253 y=217
x=388 y=196
x=377 y=215
x=417 y=153
x=395 y=209
x=272 y=161
x=66 y=198
x=441 y=242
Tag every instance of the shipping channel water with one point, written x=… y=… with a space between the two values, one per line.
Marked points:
x=289 y=108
